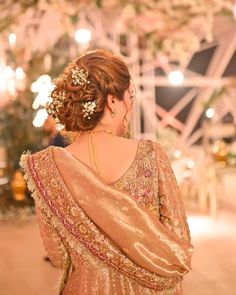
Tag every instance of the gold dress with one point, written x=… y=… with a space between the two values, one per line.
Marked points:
x=130 y=237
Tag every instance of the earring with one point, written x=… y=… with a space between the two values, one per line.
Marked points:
x=113 y=113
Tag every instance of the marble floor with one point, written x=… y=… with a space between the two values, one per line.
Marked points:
x=23 y=270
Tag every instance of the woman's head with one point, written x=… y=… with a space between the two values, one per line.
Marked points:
x=95 y=89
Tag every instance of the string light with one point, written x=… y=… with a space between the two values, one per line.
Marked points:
x=11 y=87
x=43 y=86
x=20 y=74
x=83 y=36
x=210 y=113
x=190 y=164
x=8 y=72
x=12 y=39
x=40 y=118
x=11 y=80
x=177 y=154
x=176 y=77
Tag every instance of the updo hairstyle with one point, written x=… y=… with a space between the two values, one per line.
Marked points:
x=106 y=74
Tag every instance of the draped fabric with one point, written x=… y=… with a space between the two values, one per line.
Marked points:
x=129 y=237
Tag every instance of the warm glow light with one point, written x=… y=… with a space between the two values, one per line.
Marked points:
x=12 y=81
x=11 y=87
x=234 y=10
x=41 y=99
x=44 y=79
x=34 y=87
x=177 y=154
x=176 y=78
x=40 y=83
x=210 y=113
x=190 y=164
x=200 y=225
x=20 y=74
x=205 y=227
x=40 y=118
x=12 y=39
x=8 y=72
x=2 y=81
x=43 y=86
x=83 y=36
x=2 y=84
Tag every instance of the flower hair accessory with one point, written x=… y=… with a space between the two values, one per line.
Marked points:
x=56 y=103
x=79 y=76
x=89 y=108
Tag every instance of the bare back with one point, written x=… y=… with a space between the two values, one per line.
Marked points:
x=114 y=154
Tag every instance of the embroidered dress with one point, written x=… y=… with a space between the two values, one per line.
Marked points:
x=128 y=237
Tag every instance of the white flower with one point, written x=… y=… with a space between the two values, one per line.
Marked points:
x=89 y=108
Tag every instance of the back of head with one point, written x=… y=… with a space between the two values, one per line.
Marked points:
x=92 y=77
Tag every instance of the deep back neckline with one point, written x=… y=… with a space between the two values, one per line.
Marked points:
x=138 y=149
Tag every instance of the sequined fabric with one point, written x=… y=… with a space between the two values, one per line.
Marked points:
x=90 y=245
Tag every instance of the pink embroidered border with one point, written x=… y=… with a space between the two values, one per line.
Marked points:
x=58 y=213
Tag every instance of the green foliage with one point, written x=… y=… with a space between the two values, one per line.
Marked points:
x=17 y=132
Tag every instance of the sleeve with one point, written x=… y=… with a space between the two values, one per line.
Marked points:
x=53 y=244
x=172 y=211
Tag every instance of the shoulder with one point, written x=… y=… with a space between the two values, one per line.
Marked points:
x=145 y=144
x=35 y=164
x=123 y=144
x=28 y=156
x=160 y=153
x=122 y=141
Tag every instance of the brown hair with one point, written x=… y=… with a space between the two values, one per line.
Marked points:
x=107 y=74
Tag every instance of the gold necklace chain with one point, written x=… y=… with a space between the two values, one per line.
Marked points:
x=92 y=147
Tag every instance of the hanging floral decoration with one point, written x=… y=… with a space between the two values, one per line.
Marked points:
x=172 y=27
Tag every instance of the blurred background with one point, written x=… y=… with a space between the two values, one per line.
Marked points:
x=182 y=57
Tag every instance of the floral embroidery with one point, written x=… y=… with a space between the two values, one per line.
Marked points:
x=141 y=181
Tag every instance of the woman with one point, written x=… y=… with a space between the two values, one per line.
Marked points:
x=108 y=207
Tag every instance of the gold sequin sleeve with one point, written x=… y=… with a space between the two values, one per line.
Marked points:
x=172 y=212
x=53 y=244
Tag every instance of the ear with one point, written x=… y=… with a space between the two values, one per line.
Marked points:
x=111 y=101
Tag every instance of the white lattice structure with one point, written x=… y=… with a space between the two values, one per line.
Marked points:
x=201 y=87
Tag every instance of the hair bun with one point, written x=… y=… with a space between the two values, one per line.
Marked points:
x=84 y=84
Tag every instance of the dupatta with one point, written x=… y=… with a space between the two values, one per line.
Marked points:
x=109 y=225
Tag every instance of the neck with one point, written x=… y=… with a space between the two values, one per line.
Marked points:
x=105 y=129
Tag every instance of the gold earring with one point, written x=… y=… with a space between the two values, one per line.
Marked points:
x=113 y=113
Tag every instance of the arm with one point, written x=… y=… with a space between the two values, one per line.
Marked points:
x=172 y=212
x=52 y=241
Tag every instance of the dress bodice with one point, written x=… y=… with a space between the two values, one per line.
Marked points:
x=140 y=180
x=92 y=251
